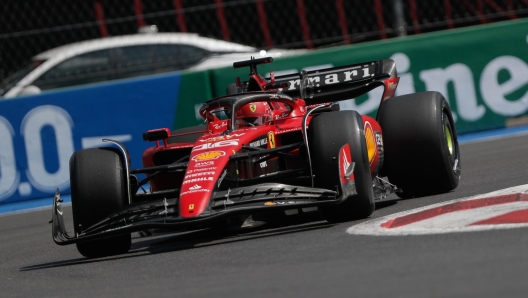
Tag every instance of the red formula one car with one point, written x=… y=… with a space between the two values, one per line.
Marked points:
x=268 y=146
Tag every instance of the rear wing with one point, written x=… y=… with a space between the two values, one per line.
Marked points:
x=340 y=83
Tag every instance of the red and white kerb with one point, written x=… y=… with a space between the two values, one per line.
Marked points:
x=503 y=209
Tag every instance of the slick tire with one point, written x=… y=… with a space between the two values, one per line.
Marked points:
x=328 y=133
x=98 y=189
x=421 y=145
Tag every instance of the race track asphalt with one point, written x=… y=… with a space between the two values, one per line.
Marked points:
x=305 y=257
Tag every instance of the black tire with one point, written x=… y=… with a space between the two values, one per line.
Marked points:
x=421 y=145
x=328 y=133
x=190 y=138
x=98 y=189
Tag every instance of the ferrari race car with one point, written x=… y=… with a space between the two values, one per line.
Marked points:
x=268 y=146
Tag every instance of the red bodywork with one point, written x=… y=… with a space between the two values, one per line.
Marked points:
x=237 y=166
x=209 y=155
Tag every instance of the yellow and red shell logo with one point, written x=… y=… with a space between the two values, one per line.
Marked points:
x=371 y=142
x=208 y=155
x=253 y=107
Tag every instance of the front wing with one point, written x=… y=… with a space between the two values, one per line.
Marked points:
x=162 y=214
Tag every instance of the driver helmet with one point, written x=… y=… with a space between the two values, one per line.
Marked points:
x=253 y=114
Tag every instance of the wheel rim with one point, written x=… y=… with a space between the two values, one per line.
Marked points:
x=452 y=144
x=449 y=139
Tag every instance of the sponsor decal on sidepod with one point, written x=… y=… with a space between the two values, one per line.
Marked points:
x=259 y=143
x=271 y=139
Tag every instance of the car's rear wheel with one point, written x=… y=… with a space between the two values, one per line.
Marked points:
x=421 y=144
x=328 y=133
x=98 y=189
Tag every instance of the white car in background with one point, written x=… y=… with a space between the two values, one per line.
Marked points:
x=122 y=57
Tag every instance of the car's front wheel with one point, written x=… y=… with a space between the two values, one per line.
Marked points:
x=98 y=189
x=328 y=133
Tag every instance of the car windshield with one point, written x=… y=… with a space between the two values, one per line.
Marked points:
x=14 y=78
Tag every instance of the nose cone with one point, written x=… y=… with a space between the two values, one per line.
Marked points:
x=205 y=167
x=207 y=162
x=195 y=196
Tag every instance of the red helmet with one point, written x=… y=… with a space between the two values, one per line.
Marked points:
x=253 y=114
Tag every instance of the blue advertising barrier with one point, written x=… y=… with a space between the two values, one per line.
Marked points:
x=38 y=134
